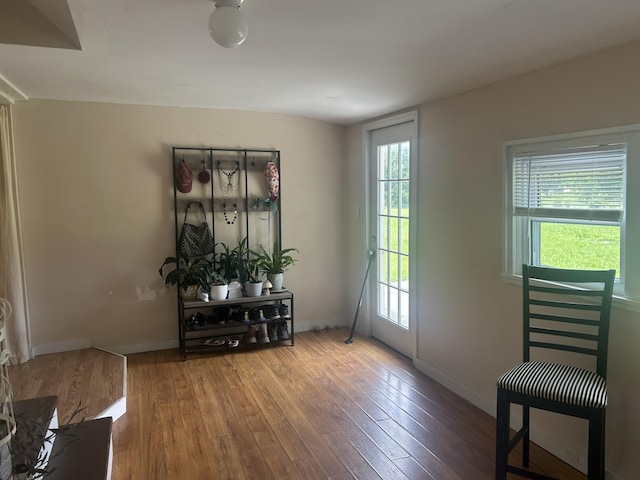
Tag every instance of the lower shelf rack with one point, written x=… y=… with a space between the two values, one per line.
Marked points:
x=232 y=324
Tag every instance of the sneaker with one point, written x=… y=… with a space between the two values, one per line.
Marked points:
x=272 y=331
x=196 y=321
x=283 y=331
x=254 y=314
x=262 y=336
x=284 y=311
x=250 y=336
x=220 y=315
x=271 y=312
x=237 y=313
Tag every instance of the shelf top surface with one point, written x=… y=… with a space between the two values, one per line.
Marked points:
x=283 y=295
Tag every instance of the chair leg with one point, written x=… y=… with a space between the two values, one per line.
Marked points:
x=596 y=446
x=502 y=434
x=525 y=438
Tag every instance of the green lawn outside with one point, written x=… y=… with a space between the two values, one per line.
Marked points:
x=396 y=238
x=588 y=247
x=562 y=245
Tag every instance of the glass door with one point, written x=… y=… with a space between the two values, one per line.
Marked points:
x=393 y=156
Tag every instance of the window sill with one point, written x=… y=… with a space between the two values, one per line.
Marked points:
x=618 y=301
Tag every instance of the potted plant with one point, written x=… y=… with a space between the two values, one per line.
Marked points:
x=223 y=265
x=190 y=275
x=247 y=269
x=227 y=263
x=251 y=272
x=219 y=286
x=275 y=264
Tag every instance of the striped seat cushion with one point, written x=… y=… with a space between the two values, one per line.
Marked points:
x=552 y=381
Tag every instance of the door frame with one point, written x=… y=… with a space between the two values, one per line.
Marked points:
x=367 y=130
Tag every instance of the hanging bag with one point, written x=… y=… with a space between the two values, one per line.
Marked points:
x=195 y=240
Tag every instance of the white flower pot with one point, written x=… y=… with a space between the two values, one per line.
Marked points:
x=219 y=292
x=253 y=289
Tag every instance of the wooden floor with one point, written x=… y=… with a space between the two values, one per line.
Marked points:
x=91 y=379
x=319 y=410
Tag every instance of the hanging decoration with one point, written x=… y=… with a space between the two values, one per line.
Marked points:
x=229 y=185
x=272 y=177
x=264 y=204
x=204 y=176
x=235 y=213
x=229 y=181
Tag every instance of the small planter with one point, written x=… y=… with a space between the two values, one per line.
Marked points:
x=219 y=292
x=253 y=289
x=190 y=292
x=276 y=281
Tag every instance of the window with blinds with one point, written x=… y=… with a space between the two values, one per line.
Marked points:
x=583 y=184
x=568 y=204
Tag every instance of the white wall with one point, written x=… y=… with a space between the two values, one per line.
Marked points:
x=96 y=204
x=470 y=321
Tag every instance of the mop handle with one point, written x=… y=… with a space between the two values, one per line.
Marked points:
x=371 y=254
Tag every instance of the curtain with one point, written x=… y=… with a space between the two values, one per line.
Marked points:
x=12 y=279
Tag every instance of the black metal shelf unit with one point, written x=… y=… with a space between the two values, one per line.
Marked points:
x=230 y=184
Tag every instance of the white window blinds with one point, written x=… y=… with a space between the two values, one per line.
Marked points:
x=582 y=184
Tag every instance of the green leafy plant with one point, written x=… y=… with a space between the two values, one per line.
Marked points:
x=247 y=267
x=252 y=270
x=199 y=271
x=276 y=262
x=29 y=458
x=227 y=263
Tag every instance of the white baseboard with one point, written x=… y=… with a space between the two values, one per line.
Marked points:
x=167 y=344
x=308 y=326
x=142 y=347
x=64 y=346
x=456 y=387
x=115 y=410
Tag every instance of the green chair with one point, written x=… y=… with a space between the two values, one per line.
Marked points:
x=566 y=311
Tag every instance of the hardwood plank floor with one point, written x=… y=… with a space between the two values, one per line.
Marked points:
x=319 y=410
x=90 y=378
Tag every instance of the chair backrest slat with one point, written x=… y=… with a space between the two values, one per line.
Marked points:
x=558 y=318
x=567 y=310
x=565 y=348
x=563 y=333
x=568 y=305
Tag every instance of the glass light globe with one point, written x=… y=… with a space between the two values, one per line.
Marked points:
x=227 y=26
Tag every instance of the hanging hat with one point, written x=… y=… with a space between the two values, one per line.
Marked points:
x=184 y=177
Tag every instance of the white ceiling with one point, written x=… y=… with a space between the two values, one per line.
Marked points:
x=340 y=61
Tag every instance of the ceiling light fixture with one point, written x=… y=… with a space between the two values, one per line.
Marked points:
x=227 y=25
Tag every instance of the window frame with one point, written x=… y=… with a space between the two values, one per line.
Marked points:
x=515 y=246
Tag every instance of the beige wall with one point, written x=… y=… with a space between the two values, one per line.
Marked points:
x=469 y=320
x=95 y=182
x=97 y=223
